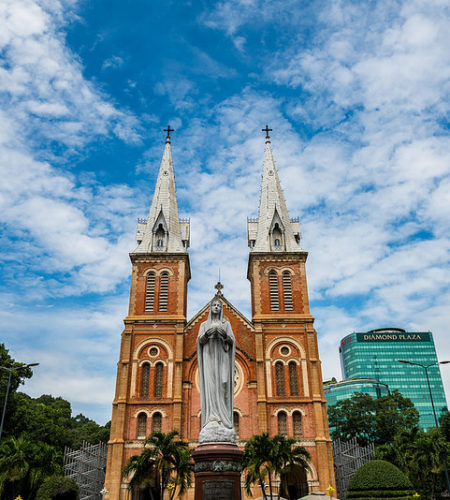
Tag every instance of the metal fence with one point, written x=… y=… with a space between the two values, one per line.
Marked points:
x=348 y=457
x=87 y=466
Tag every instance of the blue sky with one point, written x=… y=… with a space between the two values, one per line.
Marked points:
x=357 y=96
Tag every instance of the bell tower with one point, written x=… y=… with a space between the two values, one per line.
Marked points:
x=290 y=397
x=148 y=394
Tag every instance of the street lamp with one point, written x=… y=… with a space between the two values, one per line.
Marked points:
x=11 y=370
x=425 y=367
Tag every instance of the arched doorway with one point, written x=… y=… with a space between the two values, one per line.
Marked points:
x=295 y=483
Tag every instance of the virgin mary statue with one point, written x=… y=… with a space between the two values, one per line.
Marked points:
x=216 y=348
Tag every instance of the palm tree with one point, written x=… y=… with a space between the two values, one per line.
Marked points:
x=265 y=456
x=164 y=464
x=286 y=457
x=142 y=468
x=14 y=463
x=257 y=462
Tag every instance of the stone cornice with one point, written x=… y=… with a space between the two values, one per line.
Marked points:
x=161 y=257
x=283 y=318
x=155 y=319
x=279 y=256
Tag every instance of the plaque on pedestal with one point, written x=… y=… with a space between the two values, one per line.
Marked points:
x=218 y=471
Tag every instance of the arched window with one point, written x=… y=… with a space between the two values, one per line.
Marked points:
x=287 y=291
x=150 y=292
x=145 y=377
x=297 y=422
x=159 y=368
x=236 y=422
x=282 y=423
x=293 y=379
x=279 y=378
x=142 y=426
x=156 y=422
x=163 y=291
x=273 y=289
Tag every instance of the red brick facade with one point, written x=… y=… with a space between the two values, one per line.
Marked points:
x=278 y=375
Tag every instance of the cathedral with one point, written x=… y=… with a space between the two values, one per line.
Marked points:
x=278 y=379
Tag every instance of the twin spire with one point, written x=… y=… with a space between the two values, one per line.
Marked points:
x=272 y=231
x=163 y=231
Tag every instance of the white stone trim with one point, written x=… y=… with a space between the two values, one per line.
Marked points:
x=136 y=352
x=287 y=340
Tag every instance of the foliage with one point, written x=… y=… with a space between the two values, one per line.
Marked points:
x=265 y=457
x=58 y=487
x=17 y=378
x=444 y=428
x=372 y=420
x=166 y=461
x=25 y=464
x=420 y=455
x=379 y=479
x=35 y=433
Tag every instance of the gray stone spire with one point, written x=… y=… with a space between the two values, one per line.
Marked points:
x=163 y=231
x=273 y=231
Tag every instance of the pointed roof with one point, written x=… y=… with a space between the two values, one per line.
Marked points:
x=163 y=211
x=272 y=208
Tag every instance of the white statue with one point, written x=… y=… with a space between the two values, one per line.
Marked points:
x=216 y=349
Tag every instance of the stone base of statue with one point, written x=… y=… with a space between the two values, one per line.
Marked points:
x=217 y=470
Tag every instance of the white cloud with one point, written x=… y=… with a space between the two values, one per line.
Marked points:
x=42 y=78
x=59 y=224
x=113 y=62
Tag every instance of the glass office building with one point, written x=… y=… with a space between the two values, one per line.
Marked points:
x=375 y=354
x=337 y=391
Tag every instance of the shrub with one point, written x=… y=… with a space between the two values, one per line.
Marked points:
x=58 y=488
x=379 y=479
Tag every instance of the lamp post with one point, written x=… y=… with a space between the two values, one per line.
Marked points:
x=11 y=370
x=425 y=367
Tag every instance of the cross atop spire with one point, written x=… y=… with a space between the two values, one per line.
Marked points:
x=168 y=130
x=164 y=231
x=267 y=130
x=273 y=231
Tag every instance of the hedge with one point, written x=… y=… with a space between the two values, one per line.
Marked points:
x=379 y=479
x=409 y=497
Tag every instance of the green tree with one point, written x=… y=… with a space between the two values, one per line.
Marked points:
x=25 y=464
x=85 y=429
x=265 y=457
x=420 y=456
x=444 y=428
x=286 y=456
x=49 y=419
x=17 y=377
x=164 y=465
x=45 y=418
x=372 y=420
x=258 y=463
x=60 y=487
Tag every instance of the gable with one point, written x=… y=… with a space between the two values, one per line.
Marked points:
x=242 y=328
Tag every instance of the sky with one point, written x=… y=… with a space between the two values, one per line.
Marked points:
x=357 y=95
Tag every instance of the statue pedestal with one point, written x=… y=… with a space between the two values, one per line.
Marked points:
x=218 y=471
